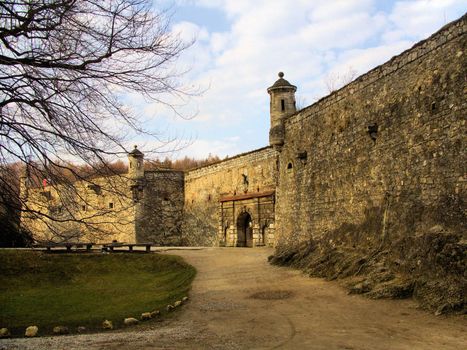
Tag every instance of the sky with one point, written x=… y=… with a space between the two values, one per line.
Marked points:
x=241 y=45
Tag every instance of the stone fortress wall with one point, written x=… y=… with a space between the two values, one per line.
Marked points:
x=166 y=207
x=382 y=157
x=97 y=210
x=140 y=206
x=217 y=196
x=385 y=155
x=159 y=213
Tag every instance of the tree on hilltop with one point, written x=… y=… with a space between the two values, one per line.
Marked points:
x=64 y=65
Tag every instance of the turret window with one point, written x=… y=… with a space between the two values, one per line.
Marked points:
x=282 y=105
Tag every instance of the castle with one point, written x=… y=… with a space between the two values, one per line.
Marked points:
x=383 y=156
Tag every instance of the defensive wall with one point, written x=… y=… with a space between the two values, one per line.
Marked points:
x=381 y=158
x=159 y=212
x=95 y=210
x=372 y=179
x=385 y=155
x=233 y=195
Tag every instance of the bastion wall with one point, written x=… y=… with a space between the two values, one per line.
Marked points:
x=385 y=155
x=234 y=183
x=159 y=212
x=97 y=210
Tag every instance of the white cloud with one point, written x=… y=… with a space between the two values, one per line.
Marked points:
x=201 y=148
x=308 y=40
x=362 y=60
x=329 y=34
x=326 y=10
x=188 y=31
x=219 y=41
x=271 y=36
x=420 y=18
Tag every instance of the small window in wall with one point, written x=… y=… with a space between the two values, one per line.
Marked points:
x=282 y=105
x=289 y=166
x=83 y=207
x=111 y=205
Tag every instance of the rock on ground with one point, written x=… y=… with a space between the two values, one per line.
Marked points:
x=31 y=331
x=4 y=333
x=155 y=313
x=107 y=324
x=146 y=316
x=130 y=321
x=60 y=330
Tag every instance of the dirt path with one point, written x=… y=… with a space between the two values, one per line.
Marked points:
x=239 y=301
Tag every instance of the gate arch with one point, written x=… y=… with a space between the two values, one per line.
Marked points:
x=244 y=230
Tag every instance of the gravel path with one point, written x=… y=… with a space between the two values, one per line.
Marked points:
x=239 y=301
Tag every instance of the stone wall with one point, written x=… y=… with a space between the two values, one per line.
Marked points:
x=98 y=210
x=247 y=220
x=246 y=174
x=386 y=151
x=372 y=180
x=159 y=212
x=108 y=208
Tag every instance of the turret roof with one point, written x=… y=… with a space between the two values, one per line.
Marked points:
x=281 y=83
x=136 y=152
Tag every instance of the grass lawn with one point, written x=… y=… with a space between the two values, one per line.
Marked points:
x=73 y=290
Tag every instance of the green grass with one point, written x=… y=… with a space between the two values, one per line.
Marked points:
x=84 y=289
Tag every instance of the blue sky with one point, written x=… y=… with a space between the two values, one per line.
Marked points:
x=241 y=45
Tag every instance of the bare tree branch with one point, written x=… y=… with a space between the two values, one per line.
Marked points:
x=63 y=66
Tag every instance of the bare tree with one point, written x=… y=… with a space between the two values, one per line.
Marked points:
x=334 y=81
x=300 y=102
x=64 y=64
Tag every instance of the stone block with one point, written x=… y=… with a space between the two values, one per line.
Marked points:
x=130 y=321
x=31 y=331
x=108 y=325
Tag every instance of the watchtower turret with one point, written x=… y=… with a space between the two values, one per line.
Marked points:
x=282 y=105
x=136 y=164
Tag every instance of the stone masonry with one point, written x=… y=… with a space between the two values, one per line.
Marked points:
x=384 y=156
x=387 y=149
x=231 y=203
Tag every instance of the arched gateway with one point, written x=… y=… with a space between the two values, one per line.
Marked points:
x=244 y=230
x=247 y=220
